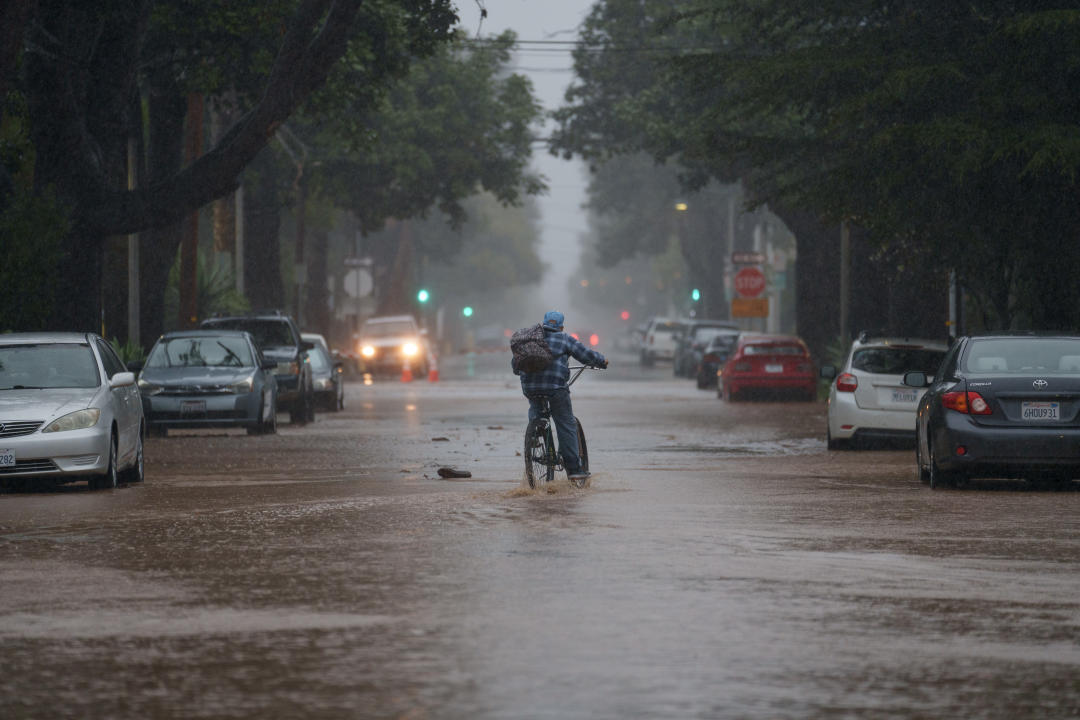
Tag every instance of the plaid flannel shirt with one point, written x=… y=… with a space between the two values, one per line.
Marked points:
x=563 y=347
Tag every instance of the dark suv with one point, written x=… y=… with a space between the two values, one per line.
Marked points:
x=279 y=340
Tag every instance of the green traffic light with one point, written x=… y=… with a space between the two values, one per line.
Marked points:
x=422 y=296
x=467 y=311
x=696 y=294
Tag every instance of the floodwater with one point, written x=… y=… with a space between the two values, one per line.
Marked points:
x=722 y=564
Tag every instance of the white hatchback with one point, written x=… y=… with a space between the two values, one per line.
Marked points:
x=868 y=399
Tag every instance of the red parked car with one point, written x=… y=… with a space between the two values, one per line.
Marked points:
x=768 y=363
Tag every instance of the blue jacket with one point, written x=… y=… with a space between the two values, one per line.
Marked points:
x=563 y=347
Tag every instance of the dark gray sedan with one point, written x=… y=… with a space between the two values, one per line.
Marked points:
x=1001 y=406
x=208 y=378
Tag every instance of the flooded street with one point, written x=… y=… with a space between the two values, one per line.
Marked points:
x=722 y=564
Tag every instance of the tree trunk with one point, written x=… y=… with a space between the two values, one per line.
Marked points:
x=262 y=247
x=317 y=309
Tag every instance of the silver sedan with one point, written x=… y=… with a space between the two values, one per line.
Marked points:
x=69 y=410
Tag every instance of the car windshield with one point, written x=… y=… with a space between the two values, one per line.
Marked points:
x=723 y=341
x=896 y=361
x=773 y=350
x=1023 y=356
x=48 y=365
x=202 y=351
x=667 y=327
x=389 y=329
x=705 y=334
x=266 y=333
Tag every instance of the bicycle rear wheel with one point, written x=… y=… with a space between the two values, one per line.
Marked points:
x=583 y=454
x=538 y=466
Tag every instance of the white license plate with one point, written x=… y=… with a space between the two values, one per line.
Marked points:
x=777 y=368
x=193 y=407
x=904 y=396
x=1035 y=411
x=7 y=457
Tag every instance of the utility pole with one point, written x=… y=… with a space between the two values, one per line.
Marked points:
x=845 y=280
x=189 y=247
x=133 y=254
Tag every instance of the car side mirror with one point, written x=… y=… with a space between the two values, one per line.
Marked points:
x=915 y=379
x=122 y=379
x=827 y=371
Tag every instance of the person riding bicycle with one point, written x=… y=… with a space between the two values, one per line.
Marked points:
x=551 y=384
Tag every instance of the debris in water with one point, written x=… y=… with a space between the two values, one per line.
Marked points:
x=440 y=439
x=446 y=472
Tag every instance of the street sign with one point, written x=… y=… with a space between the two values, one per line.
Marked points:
x=749 y=282
x=749 y=307
x=747 y=258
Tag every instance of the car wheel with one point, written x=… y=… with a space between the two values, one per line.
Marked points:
x=924 y=473
x=109 y=479
x=834 y=443
x=937 y=477
x=134 y=473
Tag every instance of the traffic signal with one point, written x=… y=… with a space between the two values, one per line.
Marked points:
x=423 y=296
x=695 y=294
x=625 y=314
x=467 y=311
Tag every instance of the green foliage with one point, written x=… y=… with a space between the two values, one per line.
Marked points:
x=457 y=124
x=948 y=130
x=129 y=351
x=215 y=291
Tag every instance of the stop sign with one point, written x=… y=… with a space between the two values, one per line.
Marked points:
x=749 y=282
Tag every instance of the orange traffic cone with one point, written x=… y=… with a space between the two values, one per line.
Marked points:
x=433 y=375
x=406 y=373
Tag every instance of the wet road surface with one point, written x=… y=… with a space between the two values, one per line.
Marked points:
x=722 y=564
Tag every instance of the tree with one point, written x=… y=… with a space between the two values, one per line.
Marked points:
x=946 y=130
x=81 y=83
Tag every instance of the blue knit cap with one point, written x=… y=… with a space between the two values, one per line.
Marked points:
x=553 y=320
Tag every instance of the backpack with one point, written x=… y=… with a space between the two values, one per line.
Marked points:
x=530 y=349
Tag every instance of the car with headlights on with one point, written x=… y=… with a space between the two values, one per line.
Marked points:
x=868 y=400
x=278 y=339
x=208 y=379
x=327 y=374
x=1002 y=406
x=69 y=411
x=390 y=342
x=768 y=365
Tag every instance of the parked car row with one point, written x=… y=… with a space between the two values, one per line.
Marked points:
x=72 y=410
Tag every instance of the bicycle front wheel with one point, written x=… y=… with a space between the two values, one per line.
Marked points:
x=583 y=455
x=538 y=466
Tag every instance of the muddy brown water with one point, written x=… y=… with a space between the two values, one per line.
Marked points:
x=722 y=563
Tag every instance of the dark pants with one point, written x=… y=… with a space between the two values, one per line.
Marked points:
x=565 y=425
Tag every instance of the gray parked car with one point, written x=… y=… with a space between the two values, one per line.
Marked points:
x=208 y=378
x=69 y=410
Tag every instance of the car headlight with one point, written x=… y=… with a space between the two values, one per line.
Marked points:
x=148 y=388
x=243 y=386
x=368 y=351
x=78 y=420
x=409 y=349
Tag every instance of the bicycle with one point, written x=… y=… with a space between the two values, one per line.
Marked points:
x=542 y=460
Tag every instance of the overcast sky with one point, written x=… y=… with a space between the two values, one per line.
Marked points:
x=549 y=68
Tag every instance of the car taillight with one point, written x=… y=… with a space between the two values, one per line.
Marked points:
x=846 y=382
x=594 y=339
x=969 y=403
x=742 y=367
